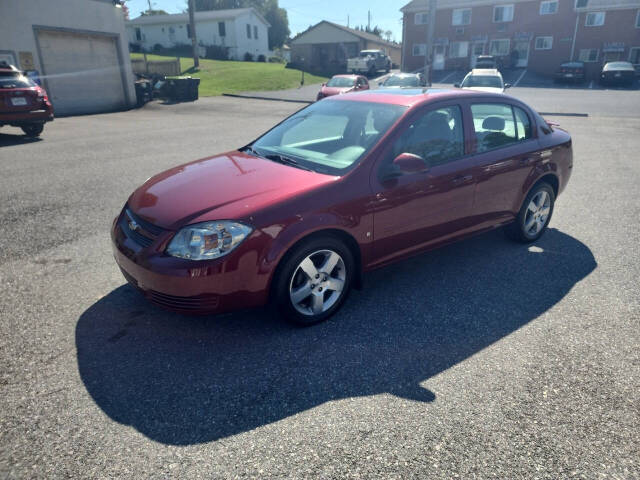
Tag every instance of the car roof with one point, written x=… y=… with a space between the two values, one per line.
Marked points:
x=345 y=75
x=572 y=64
x=408 y=97
x=486 y=71
x=404 y=75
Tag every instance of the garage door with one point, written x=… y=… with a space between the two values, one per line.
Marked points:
x=82 y=72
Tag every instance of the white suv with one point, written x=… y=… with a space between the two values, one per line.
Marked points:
x=484 y=80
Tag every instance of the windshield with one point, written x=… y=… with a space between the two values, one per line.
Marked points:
x=618 y=65
x=482 y=81
x=367 y=54
x=15 y=81
x=341 y=82
x=330 y=136
x=401 y=82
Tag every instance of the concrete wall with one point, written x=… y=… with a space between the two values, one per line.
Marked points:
x=19 y=17
x=527 y=24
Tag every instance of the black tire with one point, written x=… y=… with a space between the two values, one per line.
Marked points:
x=33 y=130
x=288 y=274
x=517 y=230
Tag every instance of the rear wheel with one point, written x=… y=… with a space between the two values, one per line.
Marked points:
x=314 y=280
x=534 y=216
x=32 y=130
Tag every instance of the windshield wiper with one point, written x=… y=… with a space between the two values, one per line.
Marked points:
x=276 y=157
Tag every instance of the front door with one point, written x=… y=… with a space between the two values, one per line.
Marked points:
x=414 y=210
x=477 y=49
x=522 y=47
x=438 y=57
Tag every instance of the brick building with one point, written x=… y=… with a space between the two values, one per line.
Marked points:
x=533 y=34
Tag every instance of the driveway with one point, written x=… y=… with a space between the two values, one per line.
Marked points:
x=484 y=359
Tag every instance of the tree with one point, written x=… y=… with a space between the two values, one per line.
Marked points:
x=154 y=12
x=377 y=31
x=269 y=9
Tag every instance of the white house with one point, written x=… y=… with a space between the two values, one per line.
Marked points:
x=77 y=47
x=241 y=30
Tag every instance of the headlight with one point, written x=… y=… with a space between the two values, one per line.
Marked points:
x=209 y=240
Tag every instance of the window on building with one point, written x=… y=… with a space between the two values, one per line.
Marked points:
x=459 y=49
x=594 y=19
x=502 y=13
x=499 y=47
x=138 y=34
x=589 y=55
x=255 y=32
x=461 y=16
x=638 y=19
x=544 y=43
x=248 y=31
x=634 y=55
x=549 y=7
x=419 y=49
x=581 y=3
x=222 y=29
x=422 y=18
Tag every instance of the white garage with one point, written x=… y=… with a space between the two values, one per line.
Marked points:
x=77 y=48
x=82 y=71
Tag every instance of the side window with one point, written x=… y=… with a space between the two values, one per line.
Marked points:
x=437 y=137
x=523 y=124
x=494 y=125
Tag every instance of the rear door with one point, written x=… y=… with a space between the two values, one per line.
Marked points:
x=507 y=154
x=415 y=210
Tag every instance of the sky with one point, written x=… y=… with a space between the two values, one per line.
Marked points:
x=303 y=13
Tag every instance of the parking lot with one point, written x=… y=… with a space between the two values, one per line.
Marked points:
x=485 y=359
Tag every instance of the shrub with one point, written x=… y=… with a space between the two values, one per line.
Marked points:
x=217 y=52
x=158 y=48
x=262 y=58
x=276 y=60
x=248 y=57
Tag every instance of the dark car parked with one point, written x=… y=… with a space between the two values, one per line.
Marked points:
x=486 y=61
x=573 y=72
x=348 y=184
x=618 y=73
x=23 y=103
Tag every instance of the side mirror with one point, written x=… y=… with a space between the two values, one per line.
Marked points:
x=507 y=85
x=324 y=84
x=410 y=163
x=456 y=85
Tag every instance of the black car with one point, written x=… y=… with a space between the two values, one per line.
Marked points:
x=486 y=61
x=617 y=73
x=570 y=72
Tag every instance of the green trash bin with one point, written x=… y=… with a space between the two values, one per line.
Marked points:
x=182 y=89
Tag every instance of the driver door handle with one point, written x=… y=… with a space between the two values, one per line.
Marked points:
x=462 y=180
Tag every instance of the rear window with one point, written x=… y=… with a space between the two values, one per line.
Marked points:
x=482 y=81
x=15 y=81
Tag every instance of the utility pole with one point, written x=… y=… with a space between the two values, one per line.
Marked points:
x=150 y=8
x=368 y=20
x=431 y=27
x=192 y=28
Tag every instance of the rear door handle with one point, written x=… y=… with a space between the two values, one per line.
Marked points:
x=462 y=180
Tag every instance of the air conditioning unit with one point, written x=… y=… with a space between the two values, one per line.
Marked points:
x=460 y=31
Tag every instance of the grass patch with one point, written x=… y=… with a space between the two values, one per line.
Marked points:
x=218 y=76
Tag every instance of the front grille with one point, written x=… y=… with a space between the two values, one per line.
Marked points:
x=139 y=230
x=185 y=304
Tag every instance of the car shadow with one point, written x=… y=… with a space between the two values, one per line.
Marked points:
x=8 y=140
x=185 y=380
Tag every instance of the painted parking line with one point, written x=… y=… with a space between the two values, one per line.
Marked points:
x=515 y=84
x=446 y=77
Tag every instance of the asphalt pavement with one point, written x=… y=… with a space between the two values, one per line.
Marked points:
x=484 y=359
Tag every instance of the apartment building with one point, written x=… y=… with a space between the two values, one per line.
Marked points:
x=535 y=34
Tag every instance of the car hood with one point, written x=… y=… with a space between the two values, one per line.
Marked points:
x=485 y=89
x=335 y=90
x=229 y=186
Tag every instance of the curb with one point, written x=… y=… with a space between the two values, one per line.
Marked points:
x=252 y=97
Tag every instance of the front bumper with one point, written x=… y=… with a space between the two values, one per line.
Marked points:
x=216 y=286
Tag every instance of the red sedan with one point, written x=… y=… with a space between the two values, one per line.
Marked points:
x=23 y=103
x=341 y=187
x=340 y=84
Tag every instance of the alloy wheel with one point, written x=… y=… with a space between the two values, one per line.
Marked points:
x=537 y=213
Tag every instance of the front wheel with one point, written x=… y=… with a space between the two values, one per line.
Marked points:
x=33 y=130
x=314 y=281
x=534 y=216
